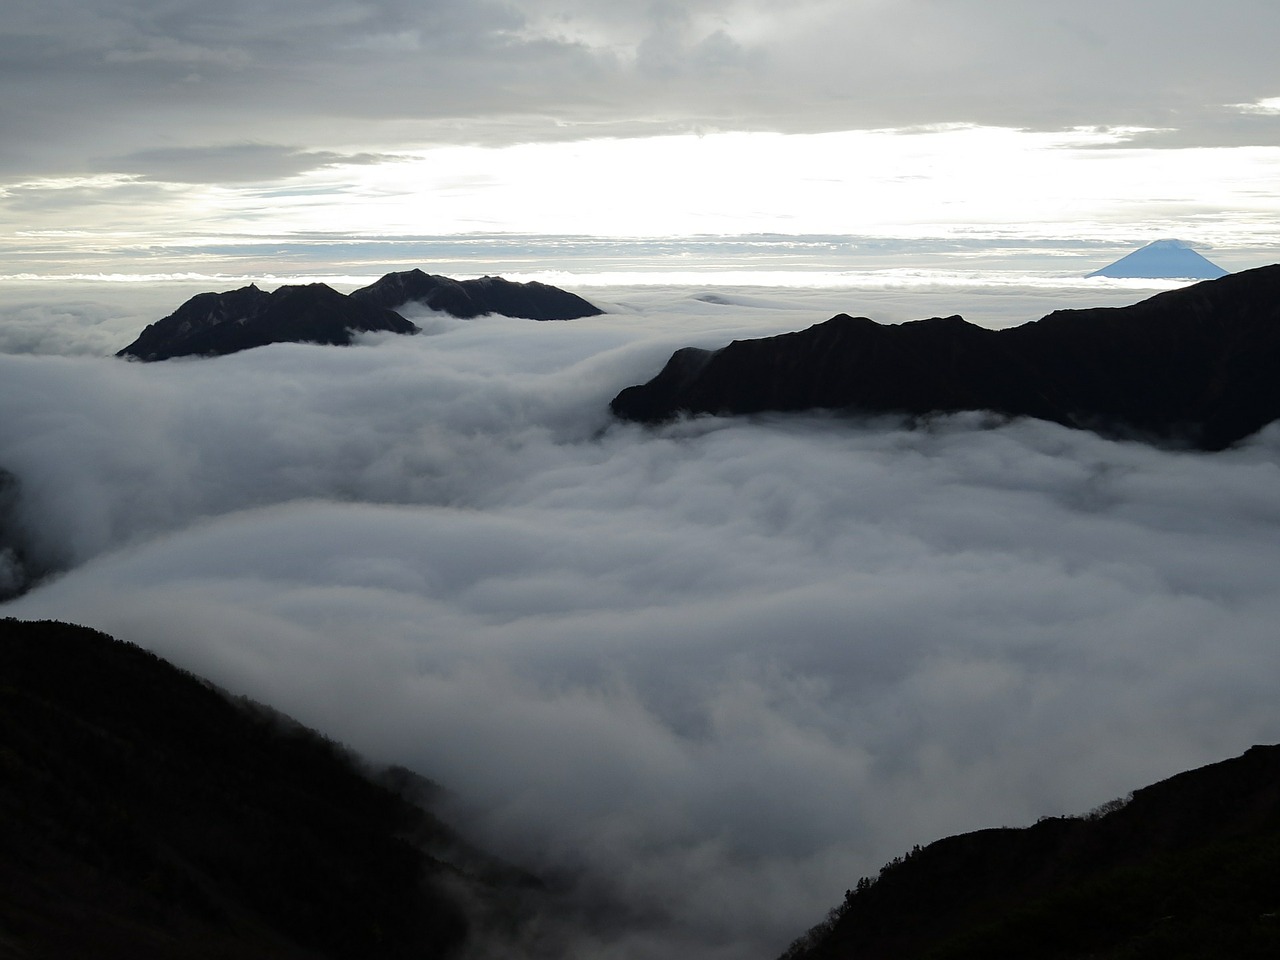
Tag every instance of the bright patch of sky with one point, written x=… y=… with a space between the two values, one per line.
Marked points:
x=128 y=129
x=1268 y=106
x=954 y=180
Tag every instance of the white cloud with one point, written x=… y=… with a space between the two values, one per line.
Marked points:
x=1268 y=106
x=719 y=669
x=952 y=180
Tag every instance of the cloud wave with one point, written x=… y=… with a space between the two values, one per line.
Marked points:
x=714 y=672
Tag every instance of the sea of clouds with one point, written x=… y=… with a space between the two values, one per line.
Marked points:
x=709 y=674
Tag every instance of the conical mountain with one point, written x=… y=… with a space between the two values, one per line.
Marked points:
x=1163 y=260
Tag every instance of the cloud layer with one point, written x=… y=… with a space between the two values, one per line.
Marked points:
x=126 y=78
x=714 y=672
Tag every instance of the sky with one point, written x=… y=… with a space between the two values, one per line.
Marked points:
x=706 y=675
x=136 y=131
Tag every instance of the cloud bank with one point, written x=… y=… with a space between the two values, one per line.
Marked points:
x=710 y=674
x=115 y=77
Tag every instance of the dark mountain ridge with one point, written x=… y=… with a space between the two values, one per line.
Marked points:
x=1188 y=867
x=145 y=815
x=472 y=298
x=216 y=324
x=1190 y=367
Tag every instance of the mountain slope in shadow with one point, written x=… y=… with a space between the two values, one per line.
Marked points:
x=1192 y=367
x=216 y=324
x=473 y=298
x=1186 y=868
x=144 y=814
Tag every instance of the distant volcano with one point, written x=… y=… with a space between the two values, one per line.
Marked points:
x=1163 y=260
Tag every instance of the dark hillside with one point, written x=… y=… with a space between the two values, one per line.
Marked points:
x=1191 y=367
x=144 y=814
x=216 y=324
x=473 y=298
x=1187 y=868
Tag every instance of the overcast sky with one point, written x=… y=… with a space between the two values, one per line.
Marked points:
x=144 y=120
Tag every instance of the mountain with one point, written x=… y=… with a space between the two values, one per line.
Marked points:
x=473 y=298
x=146 y=815
x=1165 y=260
x=1193 y=367
x=215 y=324
x=1187 y=868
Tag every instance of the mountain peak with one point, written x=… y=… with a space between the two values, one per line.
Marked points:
x=473 y=298
x=1167 y=259
x=214 y=324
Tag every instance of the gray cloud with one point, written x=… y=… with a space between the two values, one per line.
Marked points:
x=717 y=670
x=128 y=77
x=231 y=163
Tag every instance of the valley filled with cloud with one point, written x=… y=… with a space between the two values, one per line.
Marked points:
x=704 y=675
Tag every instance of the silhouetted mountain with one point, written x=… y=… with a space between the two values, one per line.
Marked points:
x=215 y=324
x=1163 y=260
x=1189 y=867
x=1195 y=366
x=146 y=815
x=472 y=298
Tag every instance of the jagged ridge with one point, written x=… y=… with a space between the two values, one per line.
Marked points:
x=1195 y=366
x=215 y=324
x=472 y=298
x=1188 y=867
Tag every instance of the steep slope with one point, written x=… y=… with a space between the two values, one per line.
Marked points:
x=215 y=324
x=472 y=298
x=1162 y=260
x=1195 y=366
x=143 y=814
x=1189 y=867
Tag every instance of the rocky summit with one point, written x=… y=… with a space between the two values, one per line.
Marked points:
x=473 y=298
x=215 y=324
x=1193 y=367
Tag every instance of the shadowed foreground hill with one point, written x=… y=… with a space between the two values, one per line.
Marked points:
x=1187 y=868
x=144 y=814
x=1198 y=366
